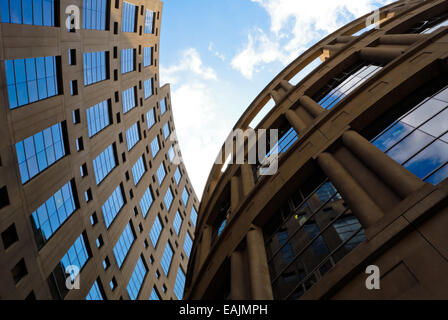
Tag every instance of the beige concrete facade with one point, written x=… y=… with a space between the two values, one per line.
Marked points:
x=403 y=218
x=23 y=41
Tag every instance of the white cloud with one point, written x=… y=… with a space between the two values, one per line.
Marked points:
x=295 y=26
x=211 y=48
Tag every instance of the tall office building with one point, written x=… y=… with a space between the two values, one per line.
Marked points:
x=91 y=186
x=362 y=172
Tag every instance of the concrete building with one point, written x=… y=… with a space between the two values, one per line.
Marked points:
x=90 y=175
x=361 y=179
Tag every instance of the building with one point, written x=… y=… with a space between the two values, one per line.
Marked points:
x=89 y=174
x=361 y=179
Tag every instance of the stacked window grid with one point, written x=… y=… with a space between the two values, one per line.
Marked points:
x=155 y=232
x=112 y=206
x=123 y=245
x=133 y=136
x=104 y=164
x=98 y=117
x=146 y=202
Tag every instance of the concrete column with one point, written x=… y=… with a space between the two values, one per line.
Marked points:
x=286 y=85
x=380 y=55
x=204 y=248
x=297 y=123
x=238 y=282
x=358 y=200
x=396 y=176
x=311 y=106
x=234 y=194
x=247 y=178
x=401 y=39
x=260 y=280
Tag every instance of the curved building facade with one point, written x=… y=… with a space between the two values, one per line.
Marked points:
x=361 y=181
x=91 y=187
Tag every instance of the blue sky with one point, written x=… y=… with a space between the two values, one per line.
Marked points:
x=219 y=54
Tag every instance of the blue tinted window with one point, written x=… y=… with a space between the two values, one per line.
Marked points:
x=30 y=80
x=345 y=227
x=94 y=14
x=154 y=295
x=31 y=12
x=147 y=56
x=167 y=258
x=155 y=147
x=148 y=87
x=155 y=232
x=95 y=293
x=163 y=106
x=53 y=213
x=150 y=118
x=128 y=97
x=319 y=245
x=98 y=117
x=104 y=164
x=127 y=60
x=149 y=22
x=177 y=175
x=188 y=245
x=112 y=206
x=287 y=250
x=132 y=136
x=168 y=199
x=137 y=277
x=95 y=67
x=221 y=227
x=123 y=245
x=166 y=130
x=179 y=284
x=185 y=196
x=38 y=152
x=161 y=173
x=177 y=222
x=77 y=255
x=171 y=154
x=194 y=216
x=129 y=18
x=146 y=202
x=138 y=170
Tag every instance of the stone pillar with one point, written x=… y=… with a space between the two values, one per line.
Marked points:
x=260 y=280
x=297 y=123
x=204 y=248
x=247 y=178
x=238 y=282
x=286 y=85
x=364 y=208
x=380 y=55
x=401 y=39
x=311 y=106
x=396 y=176
x=234 y=194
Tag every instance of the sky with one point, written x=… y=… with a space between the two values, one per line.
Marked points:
x=218 y=55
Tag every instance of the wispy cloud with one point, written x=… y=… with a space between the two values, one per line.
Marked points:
x=211 y=48
x=295 y=26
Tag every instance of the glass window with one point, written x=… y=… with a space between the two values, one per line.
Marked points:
x=177 y=175
x=418 y=140
x=222 y=227
x=123 y=245
x=168 y=199
x=188 y=244
x=146 y=202
x=138 y=170
x=40 y=151
x=129 y=99
x=95 y=67
x=149 y=22
x=104 y=164
x=31 y=12
x=194 y=215
x=167 y=258
x=163 y=106
x=185 y=196
x=154 y=295
x=147 y=56
x=30 y=80
x=166 y=130
x=129 y=17
x=98 y=117
x=155 y=147
x=95 y=14
x=179 y=285
x=148 y=87
x=77 y=255
x=137 y=277
x=287 y=251
x=161 y=173
x=155 y=232
x=95 y=292
x=319 y=245
x=150 y=118
x=127 y=60
x=345 y=227
x=49 y=217
x=177 y=222
x=112 y=206
x=133 y=136
x=171 y=154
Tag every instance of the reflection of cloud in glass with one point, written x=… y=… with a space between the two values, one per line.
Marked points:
x=429 y=159
x=409 y=146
